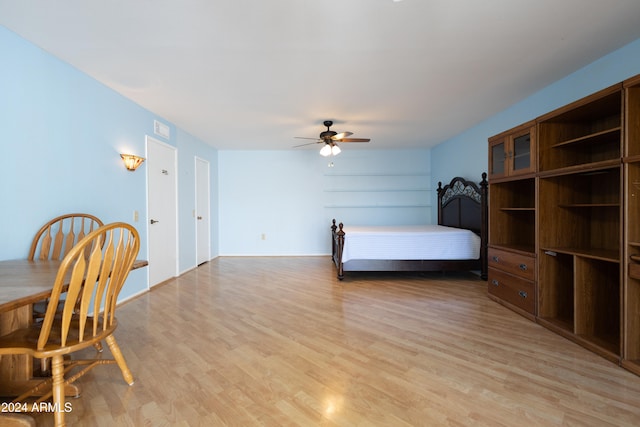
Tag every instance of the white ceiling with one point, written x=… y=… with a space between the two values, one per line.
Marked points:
x=252 y=74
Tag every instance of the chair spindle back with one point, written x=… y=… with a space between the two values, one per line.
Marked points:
x=56 y=238
x=95 y=270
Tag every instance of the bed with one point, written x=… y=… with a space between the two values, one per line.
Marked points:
x=457 y=243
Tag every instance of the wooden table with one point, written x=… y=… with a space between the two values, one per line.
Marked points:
x=23 y=283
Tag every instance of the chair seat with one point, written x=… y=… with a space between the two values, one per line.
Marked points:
x=25 y=340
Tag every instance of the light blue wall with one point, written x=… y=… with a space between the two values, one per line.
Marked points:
x=62 y=133
x=467 y=154
x=292 y=196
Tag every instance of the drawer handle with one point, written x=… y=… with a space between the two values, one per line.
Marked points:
x=496 y=258
x=523 y=294
x=523 y=267
x=494 y=282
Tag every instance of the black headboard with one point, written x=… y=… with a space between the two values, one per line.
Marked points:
x=463 y=204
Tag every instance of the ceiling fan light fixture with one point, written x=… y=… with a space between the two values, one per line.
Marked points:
x=326 y=150
x=330 y=138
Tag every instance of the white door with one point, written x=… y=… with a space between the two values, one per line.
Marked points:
x=203 y=217
x=162 y=196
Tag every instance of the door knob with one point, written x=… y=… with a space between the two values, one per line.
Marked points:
x=199 y=217
x=153 y=221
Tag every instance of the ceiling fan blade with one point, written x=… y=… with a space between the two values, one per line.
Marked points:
x=354 y=140
x=308 y=143
x=341 y=135
x=302 y=137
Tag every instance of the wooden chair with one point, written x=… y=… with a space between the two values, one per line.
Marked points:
x=56 y=238
x=92 y=279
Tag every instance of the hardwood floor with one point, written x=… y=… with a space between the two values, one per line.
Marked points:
x=281 y=342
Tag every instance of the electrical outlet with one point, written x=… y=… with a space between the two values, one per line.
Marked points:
x=135 y=216
x=263 y=236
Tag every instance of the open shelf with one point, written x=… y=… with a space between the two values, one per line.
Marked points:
x=602 y=137
x=579 y=214
x=605 y=255
x=597 y=301
x=556 y=272
x=581 y=296
x=584 y=169
x=513 y=214
x=590 y=205
x=581 y=134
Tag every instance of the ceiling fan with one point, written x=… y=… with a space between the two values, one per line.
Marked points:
x=330 y=139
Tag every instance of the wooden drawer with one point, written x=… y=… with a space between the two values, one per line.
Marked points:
x=517 y=264
x=512 y=289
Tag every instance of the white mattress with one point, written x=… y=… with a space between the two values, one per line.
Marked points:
x=420 y=242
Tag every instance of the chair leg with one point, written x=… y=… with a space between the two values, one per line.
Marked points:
x=119 y=358
x=57 y=374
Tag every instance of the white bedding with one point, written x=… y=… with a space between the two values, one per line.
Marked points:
x=420 y=242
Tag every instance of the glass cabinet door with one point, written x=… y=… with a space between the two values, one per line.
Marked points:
x=521 y=152
x=498 y=153
x=513 y=152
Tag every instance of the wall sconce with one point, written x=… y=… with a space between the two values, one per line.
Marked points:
x=131 y=162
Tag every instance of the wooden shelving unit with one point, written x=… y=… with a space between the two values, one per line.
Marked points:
x=580 y=228
x=631 y=265
x=512 y=213
x=577 y=215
